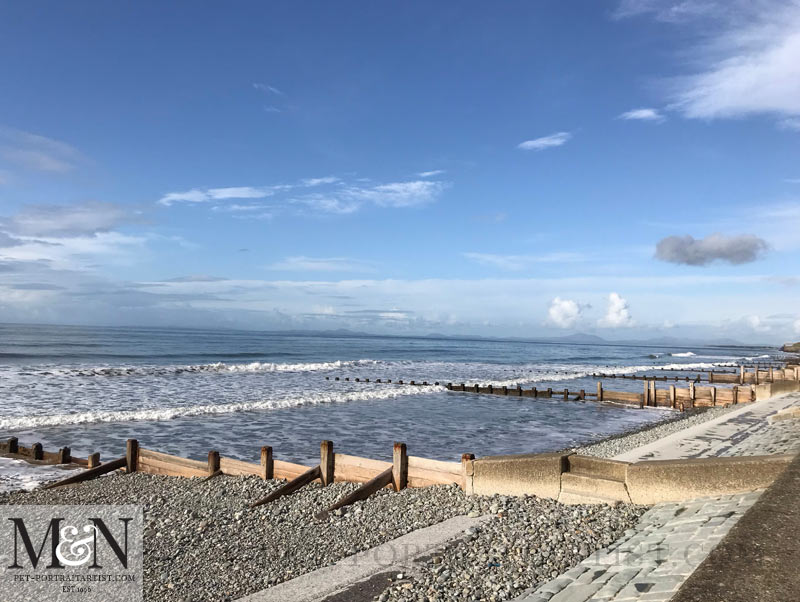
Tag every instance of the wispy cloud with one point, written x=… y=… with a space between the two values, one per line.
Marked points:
x=199 y=195
x=329 y=194
x=643 y=115
x=268 y=88
x=321 y=264
x=311 y=182
x=398 y=194
x=431 y=174
x=37 y=153
x=79 y=219
x=551 y=141
x=746 y=56
x=515 y=263
x=792 y=124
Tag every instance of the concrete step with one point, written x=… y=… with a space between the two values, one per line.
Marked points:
x=582 y=489
x=597 y=467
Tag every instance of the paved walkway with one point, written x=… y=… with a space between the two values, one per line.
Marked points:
x=745 y=431
x=652 y=561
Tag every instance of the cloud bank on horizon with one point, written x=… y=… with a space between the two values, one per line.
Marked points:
x=480 y=189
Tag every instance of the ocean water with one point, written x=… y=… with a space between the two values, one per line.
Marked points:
x=190 y=391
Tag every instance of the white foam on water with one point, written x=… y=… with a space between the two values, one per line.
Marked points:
x=683 y=354
x=18 y=475
x=168 y=413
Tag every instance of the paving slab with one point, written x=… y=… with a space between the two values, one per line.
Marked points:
x=760 y=556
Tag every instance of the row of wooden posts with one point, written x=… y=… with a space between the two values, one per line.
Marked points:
x=12 y=447
x=741 y=376
x=402 y=472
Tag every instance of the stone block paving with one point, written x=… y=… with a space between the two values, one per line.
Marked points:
x=651 y=562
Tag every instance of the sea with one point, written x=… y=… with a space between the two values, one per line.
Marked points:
x=188 y=391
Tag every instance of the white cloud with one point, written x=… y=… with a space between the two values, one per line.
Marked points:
x=267 y=88
x=398 y=194
x=520 y=262
x=79 y=219
x=197 y=195
x=564 y=313
x=757 y=324
x=618 y=314
x=321 y=264
x=328 y=204
x=792 y=124
x=38 y=153
x=745 y=59
x=544 y=142
x=643 y=115
x=431 y=174
x=310 y=182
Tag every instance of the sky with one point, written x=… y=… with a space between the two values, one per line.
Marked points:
x=627 y=169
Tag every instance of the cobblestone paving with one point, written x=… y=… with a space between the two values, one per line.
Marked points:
x=743 y=433
x=652 y=561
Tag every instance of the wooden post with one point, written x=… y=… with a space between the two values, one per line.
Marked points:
x=38 y=453
x=535 y=392
x=94 y=460
x=549 y=392
x=467 y=470
x=711 y=376
x=399 y=466
x=646 y=394
x=582 y=395
x=213 y=462
x=756 y=375
x=64 y=455
x=132 y=455
x=713 y=396
x=672 y=396
x=600 y=391
x=653 y=396
x=691 y=394
x=267 y=465
x=13 y=445
x=326 y=461
x=741 y=374
x=771 y=375
x=735 y=395
x=566 y=394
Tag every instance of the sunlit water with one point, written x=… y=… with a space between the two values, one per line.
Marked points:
x=189 y=391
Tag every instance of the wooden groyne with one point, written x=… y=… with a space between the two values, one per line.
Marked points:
x=11 y=447
x=402 y=472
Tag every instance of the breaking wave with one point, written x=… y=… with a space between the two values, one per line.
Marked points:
x=169 y=413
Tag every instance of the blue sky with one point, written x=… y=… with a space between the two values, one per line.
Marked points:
x=532 y=168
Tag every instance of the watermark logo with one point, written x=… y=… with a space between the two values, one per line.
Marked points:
x=71 y=553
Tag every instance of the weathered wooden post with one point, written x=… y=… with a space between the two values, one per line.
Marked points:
x=213 y=463
x=599 y=391
x=771 y=375
x=131 y=455
x=94 y=460
x=267 y=465
x=566 y=394
x=399 y=466
x=691 y=394
x=326 y=462
x=549 y=392
x=711 y=376
x=672 y=396
x=756 y=375
x=582 y=395
x=741 y=374
x=13 y=445
x=653 y=396
x=64 y=455
x=713 y=396
x=467 y=470
x=645 y=395
x=37 y=451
